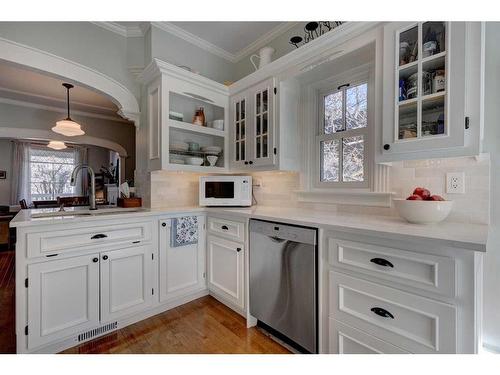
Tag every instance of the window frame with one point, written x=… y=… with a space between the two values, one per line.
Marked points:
x=353 y=79
x=30 y=182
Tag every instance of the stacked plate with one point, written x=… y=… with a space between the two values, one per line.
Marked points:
x=211 y=150
x=179 y=146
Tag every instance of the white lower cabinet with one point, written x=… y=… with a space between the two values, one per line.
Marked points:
x=225 y=270
x=182 y=268
x=126 y=284
x=63 y=298
x=344 y=339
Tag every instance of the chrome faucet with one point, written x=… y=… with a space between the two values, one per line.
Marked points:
x=92 y=182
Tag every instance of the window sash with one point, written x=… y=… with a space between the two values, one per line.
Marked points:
x=339 y=135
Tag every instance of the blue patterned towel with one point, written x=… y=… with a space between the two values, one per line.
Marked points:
x=184 y=231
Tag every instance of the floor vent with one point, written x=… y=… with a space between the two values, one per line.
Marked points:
x=97 y=331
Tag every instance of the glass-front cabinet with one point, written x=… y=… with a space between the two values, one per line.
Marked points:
x=424 y=88
x=252 y=127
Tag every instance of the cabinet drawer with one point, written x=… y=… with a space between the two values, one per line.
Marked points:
x=344 y=339
x=424 y=271
x=233 y=230
x=414 y=323
x=49 y=242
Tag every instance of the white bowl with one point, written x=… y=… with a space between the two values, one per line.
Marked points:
x=423 y=212
x=218 y=124
x=194 y=161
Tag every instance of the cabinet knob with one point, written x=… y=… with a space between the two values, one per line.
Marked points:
x=95 y=260
x=246 y=163
x=387 y=146
x=238 y=249
x=163 y=224
x=250 y=162
x=105 y=257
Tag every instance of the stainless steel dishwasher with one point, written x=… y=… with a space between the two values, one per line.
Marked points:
x=283 y=281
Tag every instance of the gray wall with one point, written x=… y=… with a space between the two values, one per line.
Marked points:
x=82 y=42
x=14 y=116
x=174 y=50
x=492 y=145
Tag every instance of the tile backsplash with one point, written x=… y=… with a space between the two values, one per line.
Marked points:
x=173 y=189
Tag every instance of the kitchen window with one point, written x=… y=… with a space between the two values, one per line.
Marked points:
x=50 y=173
x=343 y=136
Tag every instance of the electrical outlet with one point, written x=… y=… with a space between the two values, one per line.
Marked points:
x=257 y=182
x=455 y=183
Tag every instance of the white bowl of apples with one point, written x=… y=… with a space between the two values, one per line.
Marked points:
x=423 y=208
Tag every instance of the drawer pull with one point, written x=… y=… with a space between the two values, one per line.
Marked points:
x=95 y=260
x=105 y=257
x=382 y=312
x=97 y=236
x=382 y=262
x=224 y=227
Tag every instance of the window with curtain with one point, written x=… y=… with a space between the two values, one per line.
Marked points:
x=50 y=173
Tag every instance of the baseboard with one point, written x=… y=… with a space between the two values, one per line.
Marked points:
x=491 y=348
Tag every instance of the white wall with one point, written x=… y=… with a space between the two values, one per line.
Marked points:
x=492 y=145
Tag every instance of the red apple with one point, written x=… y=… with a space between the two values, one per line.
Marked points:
x=414 y=197
x=435 y=198
x=423 y=192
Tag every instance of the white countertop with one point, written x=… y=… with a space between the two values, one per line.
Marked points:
x=462 y=235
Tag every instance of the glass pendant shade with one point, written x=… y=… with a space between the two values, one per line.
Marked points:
x=57 y=145
x=68 y=127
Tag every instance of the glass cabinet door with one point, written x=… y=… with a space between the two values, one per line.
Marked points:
x=262 y=145
x=421 y=82
x=240 y=130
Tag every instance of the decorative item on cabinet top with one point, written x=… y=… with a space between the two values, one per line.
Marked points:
x=264 y=56
x=313 y=30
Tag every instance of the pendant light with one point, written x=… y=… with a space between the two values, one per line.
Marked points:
x=67 y=126
x=57 y=145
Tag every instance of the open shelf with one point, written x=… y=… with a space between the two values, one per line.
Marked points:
x=195 y=129
x=195 y=168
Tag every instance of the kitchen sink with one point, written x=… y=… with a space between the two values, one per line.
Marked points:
x=82 y=211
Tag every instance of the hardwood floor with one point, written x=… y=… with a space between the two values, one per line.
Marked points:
x=7 y=302
x=201 y=326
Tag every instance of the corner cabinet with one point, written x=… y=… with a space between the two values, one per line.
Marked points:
x=431 y=88
x=256 y=140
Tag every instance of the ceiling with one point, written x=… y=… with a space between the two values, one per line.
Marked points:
x=22 y=86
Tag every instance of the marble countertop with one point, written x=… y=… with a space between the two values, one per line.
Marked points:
x=461 y=235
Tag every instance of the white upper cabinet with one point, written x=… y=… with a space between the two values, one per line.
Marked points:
x=176 y=139
x=429 y=80
x=256 y=139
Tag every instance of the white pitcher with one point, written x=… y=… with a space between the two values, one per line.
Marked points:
x=264 y=56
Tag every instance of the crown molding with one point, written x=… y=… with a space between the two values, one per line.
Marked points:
x=62 y=110
x=126 y=31
x=194 y=39
x=263 y=40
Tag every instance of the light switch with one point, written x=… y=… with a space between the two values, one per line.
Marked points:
x=455 y=183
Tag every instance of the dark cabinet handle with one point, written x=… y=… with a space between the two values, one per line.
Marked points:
x=382 y=312
x=246 y=163
x=250 y=162
x=238 y=249
x=387 y=146
x=224 y=227
x=105 y=257
x=97 y=236
x=382 y=262
x=163 y=224
x=95 y=260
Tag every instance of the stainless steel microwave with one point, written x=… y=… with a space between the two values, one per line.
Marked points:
x=225 y=191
